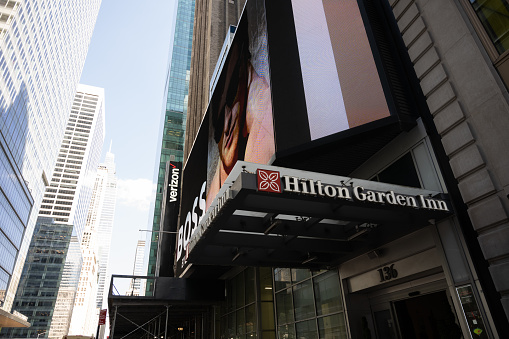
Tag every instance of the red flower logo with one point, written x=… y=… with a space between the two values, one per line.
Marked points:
x=269 y=181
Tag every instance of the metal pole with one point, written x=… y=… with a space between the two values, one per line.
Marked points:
x=214 y=321
x=166 y=324
x=202 y=324
x=114 y=320
x=158 y=327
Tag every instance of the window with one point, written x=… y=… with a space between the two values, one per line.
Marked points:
x=490 y=19
x=401 y=172
x=494 y=16
x=309 y=304
x=239 y=318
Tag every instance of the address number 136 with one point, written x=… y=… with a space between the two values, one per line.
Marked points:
x=387 y=273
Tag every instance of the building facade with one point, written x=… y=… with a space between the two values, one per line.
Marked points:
x=175 y=112
x=42 y=274
x=66 y=292
x=70 y=193
x=442 y=73
x=68 y=196
x=107 y=178
x=137 y=287
x=42 y=52
x=347 y=178
x=95 y=246
x=201 y=54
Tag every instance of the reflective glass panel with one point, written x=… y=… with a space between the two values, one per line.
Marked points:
x=299 y=274
x=327 y=293
x=286 y=332
x=251 y=319
x=284 y=306
x=306 y=329
x=241 y=322
x=494 y=16
x=332 y=327
x=250 y=285
x=303 y=299
x=282 y=278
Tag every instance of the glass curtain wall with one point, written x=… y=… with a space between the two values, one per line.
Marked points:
x=249 y=307
x=177 y=88
x=308 y=304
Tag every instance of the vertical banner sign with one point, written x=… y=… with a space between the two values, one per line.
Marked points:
x=102 y=317
x=169 y=219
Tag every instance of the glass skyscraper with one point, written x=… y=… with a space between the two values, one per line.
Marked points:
x=42 y=274
x=177 y=87
x=43 y=45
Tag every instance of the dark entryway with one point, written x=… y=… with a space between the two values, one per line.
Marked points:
x=427 y=317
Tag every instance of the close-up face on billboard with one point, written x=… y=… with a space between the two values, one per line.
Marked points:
x=240 y=111
x=341 y=83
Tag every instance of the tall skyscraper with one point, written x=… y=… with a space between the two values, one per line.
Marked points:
x=137 y=287
x=42 y=274
x=43 y=46
x=69 y=195
x=106 y=182
x=65 y=203
x=175 y=112
x=96 y=247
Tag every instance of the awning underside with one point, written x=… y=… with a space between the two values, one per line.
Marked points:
x=289 y=230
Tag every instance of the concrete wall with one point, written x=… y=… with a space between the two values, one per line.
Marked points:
x=469 y=104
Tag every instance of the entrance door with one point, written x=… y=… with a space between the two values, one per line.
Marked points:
x=427 y=317
x=384 y=324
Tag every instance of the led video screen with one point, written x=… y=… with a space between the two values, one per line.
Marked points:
x=296 y=71
x=240 y=112
x=341 y=83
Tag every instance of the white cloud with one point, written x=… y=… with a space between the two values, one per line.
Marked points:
x=137 y=193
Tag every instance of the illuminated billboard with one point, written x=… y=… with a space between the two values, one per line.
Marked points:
x=341 y=83
x=297 y=71
x=240 y=111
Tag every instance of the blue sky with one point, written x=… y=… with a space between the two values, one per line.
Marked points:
x=128 y=57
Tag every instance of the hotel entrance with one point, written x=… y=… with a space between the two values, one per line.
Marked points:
x=419 y=316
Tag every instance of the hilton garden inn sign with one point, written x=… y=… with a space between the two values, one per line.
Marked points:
x=260 y=208
x=272 y=181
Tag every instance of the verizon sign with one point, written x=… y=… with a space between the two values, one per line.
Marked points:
x=274 y=182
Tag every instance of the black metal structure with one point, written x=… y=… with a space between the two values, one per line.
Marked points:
x=179 y=308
